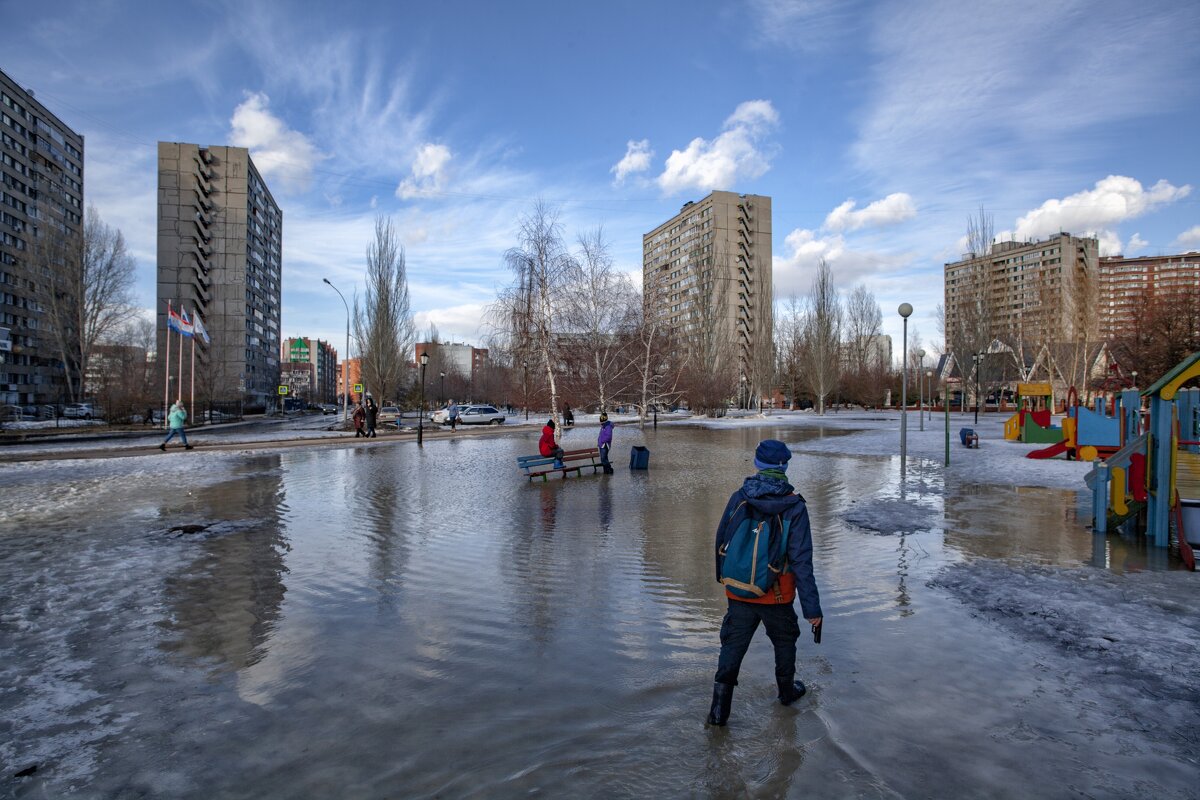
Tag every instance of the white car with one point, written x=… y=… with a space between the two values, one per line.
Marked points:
x=388 y=414
x=79 y=411
x=475 y=414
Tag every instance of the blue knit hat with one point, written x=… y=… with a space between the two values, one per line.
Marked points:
x=772 y=454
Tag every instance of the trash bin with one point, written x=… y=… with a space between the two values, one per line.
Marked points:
x=639 y=458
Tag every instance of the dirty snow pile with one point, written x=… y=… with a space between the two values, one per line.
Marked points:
x=1133 y=637
x=893 y=515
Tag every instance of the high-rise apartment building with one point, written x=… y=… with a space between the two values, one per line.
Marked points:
x=220 y=241
x=323 y=358
x=706 y=273
x=41 y=195
x=1128 y=284
x=1039 y=292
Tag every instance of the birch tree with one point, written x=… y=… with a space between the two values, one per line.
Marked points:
x=383 y=324
x=820 y=352
x=85 y=289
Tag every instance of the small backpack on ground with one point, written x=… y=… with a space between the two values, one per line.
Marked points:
x=754 y=553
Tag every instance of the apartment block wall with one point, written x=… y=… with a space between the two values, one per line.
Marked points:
x=1127 y=283
x=220 y=240
x=41 y=192
x=716 y=254
x=1036 y=292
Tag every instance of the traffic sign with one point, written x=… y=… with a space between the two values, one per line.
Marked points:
x=283 y=389
x=358 y=388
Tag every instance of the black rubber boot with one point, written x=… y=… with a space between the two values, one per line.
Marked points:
x=722 y=700
x=789 y=691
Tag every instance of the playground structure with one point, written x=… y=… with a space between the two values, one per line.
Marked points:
x=1085 y=433
x=1154 y=474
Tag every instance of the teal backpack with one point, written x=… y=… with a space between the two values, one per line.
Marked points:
x=754 y=555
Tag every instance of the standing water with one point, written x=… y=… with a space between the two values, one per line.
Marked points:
x=395 y=621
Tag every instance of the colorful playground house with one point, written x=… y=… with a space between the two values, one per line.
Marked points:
x=1151 y=460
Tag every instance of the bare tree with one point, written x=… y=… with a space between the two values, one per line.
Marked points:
x=820 y=354
x=383 y=325
x=863 y=331
x=968 y=327
x=85 y=290
x=709 y=337
x=601 y=311
x=656 y=363
x=790 y=341
x=532 y=309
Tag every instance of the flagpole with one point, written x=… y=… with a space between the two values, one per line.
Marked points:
x=192 y=399
x=167 y=369
x=179 y=391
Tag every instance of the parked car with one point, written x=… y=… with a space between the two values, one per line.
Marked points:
x=79 y=411
x=11 y=414
x=479 y=415
x=388 y=414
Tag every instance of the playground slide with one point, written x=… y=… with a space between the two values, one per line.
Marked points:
x=1056 y=449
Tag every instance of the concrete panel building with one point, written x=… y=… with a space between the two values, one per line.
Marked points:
x=41 y=193
x=323 y=359
x=220 y=241
x=706 y=273
x=1127 y=284
x=1038 y=292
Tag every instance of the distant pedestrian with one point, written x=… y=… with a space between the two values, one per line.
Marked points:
x=568 y=417
x=175 y=421
x=604 y=442
x=452 y=415
x=766 y=500
x=149 y=420
x=360 y=420
x=548 y=447
x=372 y=418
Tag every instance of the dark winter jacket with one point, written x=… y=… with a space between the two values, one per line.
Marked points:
x=372 y=415
x=605 y=437
x=768 y=496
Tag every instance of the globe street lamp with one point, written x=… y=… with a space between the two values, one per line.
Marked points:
x=929 y=393
x=421 y=416
x=905 y=310
x=442 y=391
x=345 y=358
x=921 y=388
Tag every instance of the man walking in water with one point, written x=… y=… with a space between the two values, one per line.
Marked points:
x=768 y=504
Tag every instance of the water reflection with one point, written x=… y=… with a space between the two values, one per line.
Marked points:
x=224 y=605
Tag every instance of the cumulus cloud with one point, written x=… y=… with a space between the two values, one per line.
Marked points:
x=1136 y=242
x=428 y=172
x=738 y=153
x=637 y=159
x=1115 y=199
x=278 y=152
x=894 y=208
x=1190 y=237
x=805 y=248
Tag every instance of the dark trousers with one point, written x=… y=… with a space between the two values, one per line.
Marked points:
x=608 y=470
x=741 y=621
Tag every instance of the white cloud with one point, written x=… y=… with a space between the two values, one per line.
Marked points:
x=1109 y=241
x=278 y=152
x=637 y=159
x=1136 y=242
x=806 y=248
x=894 y=208
x=461 y=323
x=1113 y=200
x=1190 y=237
x=428 y=172
x=738 y=153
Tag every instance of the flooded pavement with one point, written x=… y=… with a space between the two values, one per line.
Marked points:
x=391 y=621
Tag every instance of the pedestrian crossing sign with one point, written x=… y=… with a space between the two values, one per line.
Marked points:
x=283 y=389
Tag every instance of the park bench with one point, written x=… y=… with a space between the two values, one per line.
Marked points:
x=576 y=461
x=969 y=437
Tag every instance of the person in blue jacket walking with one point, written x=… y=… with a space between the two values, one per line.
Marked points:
x=604 y=442
x=764 y=496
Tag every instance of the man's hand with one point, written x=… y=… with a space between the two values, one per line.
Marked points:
x=814 y=621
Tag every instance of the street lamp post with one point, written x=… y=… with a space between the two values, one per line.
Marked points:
x=442 y=390
x=921 y=388
x=421 y=416
x=745 y=399
x=525 y=383
x=905 y=310
x=929 y=393
x=978 y=359
x=345 y=358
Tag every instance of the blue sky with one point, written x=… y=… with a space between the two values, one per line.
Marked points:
x=877 y=128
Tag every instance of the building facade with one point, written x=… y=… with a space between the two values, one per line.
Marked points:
x=1127 y=284
x=41 y=194
x=1036 y=293
x=706 y=275
x=353 y=368
x=220 y=242
x=323 y=358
